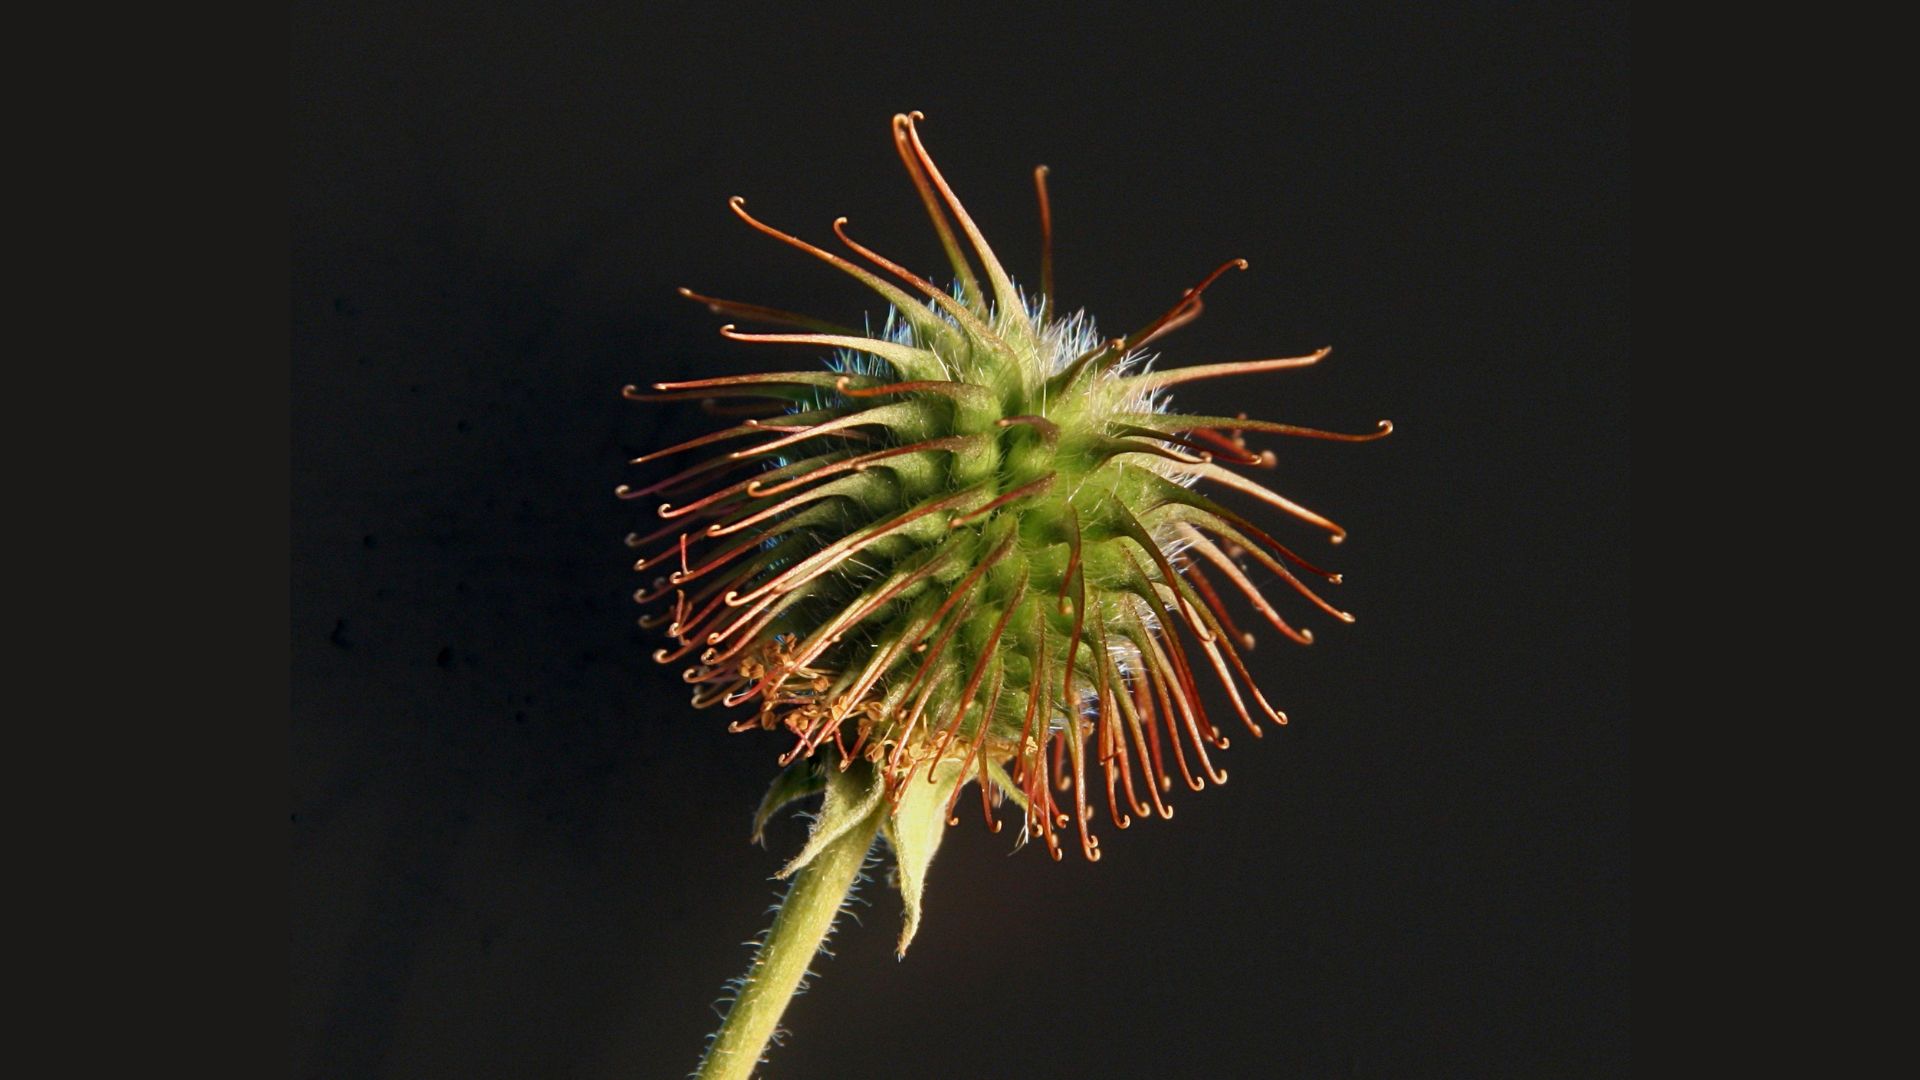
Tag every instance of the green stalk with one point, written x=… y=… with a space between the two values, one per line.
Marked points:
x=806 y=916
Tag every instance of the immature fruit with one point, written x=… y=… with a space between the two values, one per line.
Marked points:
x=974 y=547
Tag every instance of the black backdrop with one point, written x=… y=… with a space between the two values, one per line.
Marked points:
x=516 y=852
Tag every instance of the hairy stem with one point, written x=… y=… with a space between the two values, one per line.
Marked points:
x=806 y=916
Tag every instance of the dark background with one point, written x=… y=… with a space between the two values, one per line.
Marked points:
x=516 y=852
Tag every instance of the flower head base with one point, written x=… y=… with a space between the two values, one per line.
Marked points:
x=974 y=547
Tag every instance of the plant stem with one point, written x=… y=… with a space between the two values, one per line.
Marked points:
x=806 y=916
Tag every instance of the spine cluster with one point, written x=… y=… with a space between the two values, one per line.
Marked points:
x=977 y=536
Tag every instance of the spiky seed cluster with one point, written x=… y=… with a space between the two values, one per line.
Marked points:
x=976 y=537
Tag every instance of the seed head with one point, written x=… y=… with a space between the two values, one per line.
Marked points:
x=976 y=545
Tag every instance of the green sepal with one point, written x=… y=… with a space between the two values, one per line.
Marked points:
x=1005 y=785
x=853 y=796
x=915 y=830
x=795 y=782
